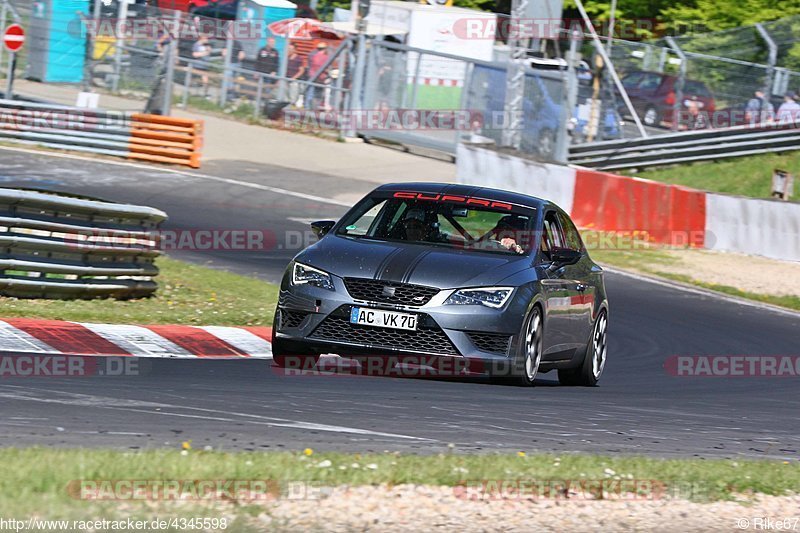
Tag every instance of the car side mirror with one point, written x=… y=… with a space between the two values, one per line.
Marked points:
x=322 y=227
x=565 y=256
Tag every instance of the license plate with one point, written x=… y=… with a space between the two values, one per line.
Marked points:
x=383 y=319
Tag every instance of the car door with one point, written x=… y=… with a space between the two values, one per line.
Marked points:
x=558 y=290
x=579 y=279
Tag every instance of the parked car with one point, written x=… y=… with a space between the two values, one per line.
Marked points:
x=653 y=95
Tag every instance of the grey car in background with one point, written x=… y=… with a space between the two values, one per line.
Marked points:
x=497 y=280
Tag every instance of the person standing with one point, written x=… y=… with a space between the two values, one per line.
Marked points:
x=268 y=59
x=759 y=109
x=789 y=111
x=316 y=61
x=295 y=71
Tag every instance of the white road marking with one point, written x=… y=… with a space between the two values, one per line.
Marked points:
x=230 y=181
x=87 y=400
x=16 y=340
x=137 y=340
x=703 y=292
x=249 y=343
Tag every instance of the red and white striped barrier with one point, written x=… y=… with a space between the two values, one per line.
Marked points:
x=668 y=214
x=32 y=336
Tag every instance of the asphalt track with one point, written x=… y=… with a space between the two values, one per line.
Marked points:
x=637 y=409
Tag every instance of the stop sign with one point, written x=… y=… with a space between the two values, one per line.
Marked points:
x=14 y=37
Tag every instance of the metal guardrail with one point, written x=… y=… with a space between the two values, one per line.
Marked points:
x=131 y=135
x=686 y=147
x=54 y=246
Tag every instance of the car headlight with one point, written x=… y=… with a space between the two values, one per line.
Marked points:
x=302 y=274
x=494 y=297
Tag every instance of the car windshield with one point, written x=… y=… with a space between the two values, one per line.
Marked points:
x=443 y=220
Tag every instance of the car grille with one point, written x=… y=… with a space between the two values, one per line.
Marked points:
x=429 y=338
x=490 y=342
x=291 y=319
x=372 y=290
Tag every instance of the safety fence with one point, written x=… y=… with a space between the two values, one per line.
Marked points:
x=136 y=136
x=656 y=212
x=55 y=246
x=686 y=147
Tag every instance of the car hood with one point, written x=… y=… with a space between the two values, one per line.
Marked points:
x=411 y=263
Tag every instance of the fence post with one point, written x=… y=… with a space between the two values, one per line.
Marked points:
x=571 y=99
x=414 y=87
x=358 y=80
x=226 y=70
x=171 y=57
x=676 y=107
x=187 y=83
x=772 y=58
x=257 y=108
x=120 y=42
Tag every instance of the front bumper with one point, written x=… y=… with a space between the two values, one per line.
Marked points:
x=314 y=320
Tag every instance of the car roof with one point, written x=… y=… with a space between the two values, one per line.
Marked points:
x=475 y=191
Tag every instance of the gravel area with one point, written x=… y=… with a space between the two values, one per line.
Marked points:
x=747 y=273
x=427 y=508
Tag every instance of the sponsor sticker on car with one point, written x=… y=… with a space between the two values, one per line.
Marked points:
x=384 y=319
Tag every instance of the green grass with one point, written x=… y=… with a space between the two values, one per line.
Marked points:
x=35 y=480
x=744 y=176
x=187 y=294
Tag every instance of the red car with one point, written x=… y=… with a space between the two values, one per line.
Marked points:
x=653 y=95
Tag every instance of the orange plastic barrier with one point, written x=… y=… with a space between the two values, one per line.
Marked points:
x=661 y=213
x=166 y=139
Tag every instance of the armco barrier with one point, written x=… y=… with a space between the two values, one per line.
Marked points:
x=669 y=214
x=54 y=246
x=131 y=135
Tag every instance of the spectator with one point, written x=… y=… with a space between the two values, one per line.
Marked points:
x=268 y=59
x=295 y=71
x=759 y=109
x=201 y=53
x=316 y=60
x=789 y=111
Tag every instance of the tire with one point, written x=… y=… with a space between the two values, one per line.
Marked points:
x=594 y=359
x=650 y=117
x=529 y=351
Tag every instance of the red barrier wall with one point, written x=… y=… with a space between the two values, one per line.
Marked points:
x=666 y=214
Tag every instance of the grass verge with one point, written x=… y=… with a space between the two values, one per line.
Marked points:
x=656 y=262
x=38 y=478
x=744 y=176
x=187 y=294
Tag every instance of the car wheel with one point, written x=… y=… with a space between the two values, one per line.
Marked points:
x=594 y=360
x=650 y=117
x=529 y=354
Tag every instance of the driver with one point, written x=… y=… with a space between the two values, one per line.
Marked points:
x=417 y=226
x=507 y=229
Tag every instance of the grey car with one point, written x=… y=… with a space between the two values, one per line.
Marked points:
x=498 y=281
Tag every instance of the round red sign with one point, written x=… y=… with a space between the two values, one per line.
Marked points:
x=14 y=37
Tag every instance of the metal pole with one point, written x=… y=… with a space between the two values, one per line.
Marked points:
x=515 y=80
x=226 y=70
x=571 y=100
x=122 y=16
x=611 y=23
x=260 y=88
x=772 y=58
x=358 y=80
x=12 y=64
x=415 y=87
x=3 y=22
x=676 y=107
x=187 y=84
x=611 y=69
x=169 y=75
x=283 y=67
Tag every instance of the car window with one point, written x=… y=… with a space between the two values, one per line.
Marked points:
x=696 y=88
x=552 y=236
x=632 y=80
x=650 y=82
x=363 y=223
x=572 y=237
